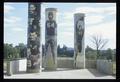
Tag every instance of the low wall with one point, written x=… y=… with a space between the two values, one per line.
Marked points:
x=104 y=66
x=62 y=62
x=17 y=66
x=90 y=63
x=65 y=62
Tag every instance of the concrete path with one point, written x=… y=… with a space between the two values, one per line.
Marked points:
x=62 y=74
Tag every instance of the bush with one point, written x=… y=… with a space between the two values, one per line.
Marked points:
x=91 y=55
x=11 y=52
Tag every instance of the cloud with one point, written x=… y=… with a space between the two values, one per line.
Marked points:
x=89 y=20
x=93 y=15
x=66 y=38
x=100 y=10
x=106 y=4
x=67 y=34
x=92 y=19
x=66 y=24
x=68 y=15
x=8 y=8
x=12 y=19
x=13 y=23
x=106 y=30
x=17 y=29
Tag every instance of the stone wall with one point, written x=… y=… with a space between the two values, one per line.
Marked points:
x=65 y=62
x=90 y=63
x=104 y=66
x=62 y=62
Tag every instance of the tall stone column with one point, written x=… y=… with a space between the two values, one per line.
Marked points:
x=33 y=39
x=79 y=51
x=50 y=39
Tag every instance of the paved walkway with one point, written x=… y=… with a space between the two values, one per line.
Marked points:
x=63 y=74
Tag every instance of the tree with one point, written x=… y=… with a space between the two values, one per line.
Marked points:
x=90 y=53
x=21 y=50
x=110 y=54
x=10 y=52
x=64 y=49
x=88 y=49
x=58 y=49
x=114 y=55
x=99 y=43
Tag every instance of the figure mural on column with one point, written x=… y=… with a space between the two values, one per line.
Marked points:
x=51 y=43
x=50 y=28
x=33 y=45
x=79 y=51
x=79 y=34
x=50 y=39
x=50 y=24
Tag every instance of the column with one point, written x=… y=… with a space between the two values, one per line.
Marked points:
x=33 y=38
x=79 y=50
x=50 y=39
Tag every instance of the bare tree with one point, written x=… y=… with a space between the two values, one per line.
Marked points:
x=99 y=43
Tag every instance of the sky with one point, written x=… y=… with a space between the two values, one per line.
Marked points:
x=100 y=19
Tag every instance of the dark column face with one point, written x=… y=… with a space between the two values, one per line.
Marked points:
x=79 y=54
x=33 y=45
x=50 y=39
x=50 y=24
x=79 y=34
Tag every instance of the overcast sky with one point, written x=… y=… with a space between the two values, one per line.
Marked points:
x=100 y=19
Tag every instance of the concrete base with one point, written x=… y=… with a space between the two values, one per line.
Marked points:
x=16 y=66
x=49 y=64
x=33 y=71
x=63 y=74
x=80 y=62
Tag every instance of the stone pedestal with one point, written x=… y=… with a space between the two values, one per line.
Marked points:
x=50 y=39
x=9 y=68
x=79 y=51
x=33 y=39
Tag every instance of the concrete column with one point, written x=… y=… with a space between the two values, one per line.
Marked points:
x=33 y=39
x=9 y=68
x=50 y=39
x=79 y=50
